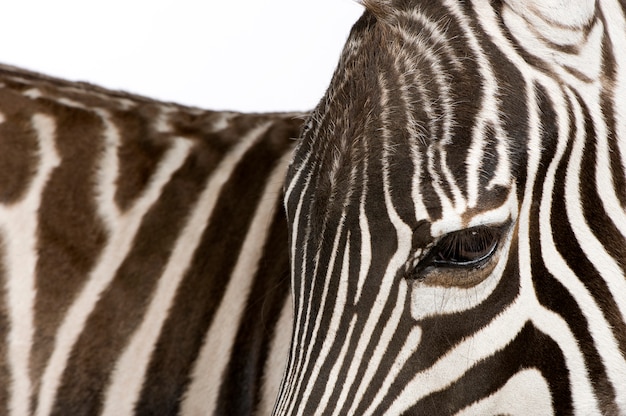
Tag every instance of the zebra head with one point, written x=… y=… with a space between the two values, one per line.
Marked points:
x=456 y=210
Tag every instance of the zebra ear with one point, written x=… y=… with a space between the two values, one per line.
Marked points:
x=566 y=13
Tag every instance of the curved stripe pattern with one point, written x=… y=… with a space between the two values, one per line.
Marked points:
x=144 y=261
x=457 y=215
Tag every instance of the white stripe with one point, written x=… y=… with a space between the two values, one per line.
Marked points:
x=604 y=146
x=421 y=213
x=550 y=15
x=438 y=36
x=431 y=56
x=302 y=365
x=536 y=36
x=300 y=328
x=366 y=248
x=515 y=397
x=315 y=332
x=129 y=373
x=32 y=93
x=333 y=335
x=450 y=218
x=411 y=344
x=605 y=341
x=307 y=165
x=296 y=230
x=549 y=322
x=366 y=241
x=275 y=364
x=108 y=170
x=119 y=243
x=389 y=281
x=487 y=115
x=486 y=343
x=449 y=368
x=585 y=402
x=202 y=395
x=19 y=223
x=417 y=133
x=341 y=359
x=162 y=122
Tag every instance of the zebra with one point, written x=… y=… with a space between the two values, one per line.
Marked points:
x=457 y=215
x=143 y=253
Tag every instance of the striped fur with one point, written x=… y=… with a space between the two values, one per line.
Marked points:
x=503 y=118
x=144 y=254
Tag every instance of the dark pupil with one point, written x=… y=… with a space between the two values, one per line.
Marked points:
x=466 y=248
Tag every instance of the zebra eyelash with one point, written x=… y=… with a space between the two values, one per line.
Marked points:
x=464 y=249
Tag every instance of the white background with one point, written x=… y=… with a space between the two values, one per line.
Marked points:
x=246 y=55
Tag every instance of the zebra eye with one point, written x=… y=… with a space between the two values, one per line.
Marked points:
x=466 y=248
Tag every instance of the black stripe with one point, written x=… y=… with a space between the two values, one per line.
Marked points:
x=122 y=305
x=491 y=374
x=141 y=149
x=569 y=248
x=71 y=235
x=603 y=228
x=550 y=293
x=203 y=287
x=18 y=146
x=384 y=245
x=608 y=102
x=240 y=391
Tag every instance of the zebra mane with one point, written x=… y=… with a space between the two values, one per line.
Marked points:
x=381 y=9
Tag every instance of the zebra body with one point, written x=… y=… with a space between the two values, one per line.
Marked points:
x=144 y=253
x=457 y=214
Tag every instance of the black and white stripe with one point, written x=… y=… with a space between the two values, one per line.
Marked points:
x=143 y=250
x=457 y=213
